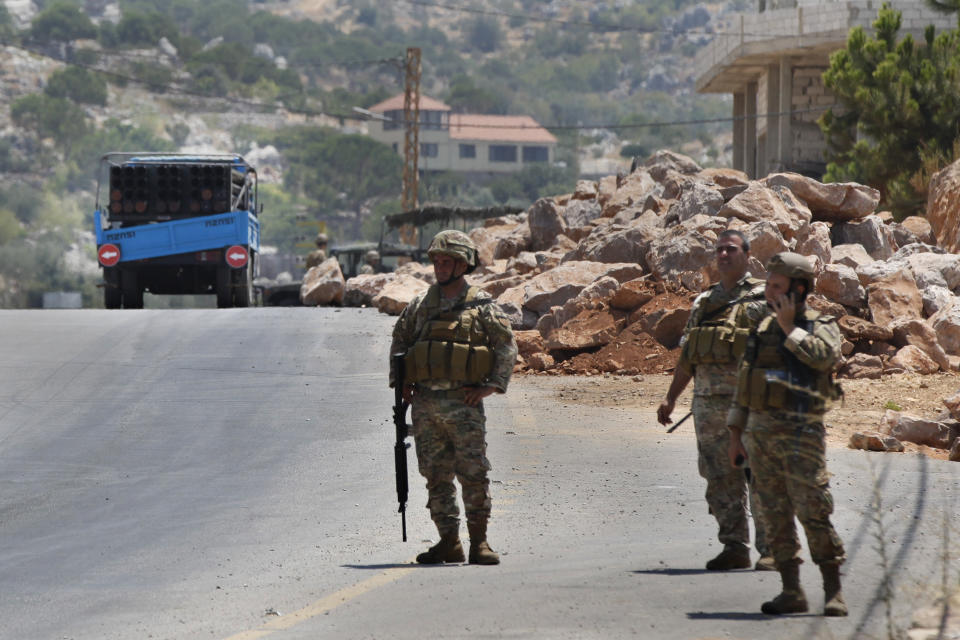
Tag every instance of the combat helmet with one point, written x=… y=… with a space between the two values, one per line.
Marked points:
x=455 y=244
x=371 y=256
x=792 y=265
x=321 y=239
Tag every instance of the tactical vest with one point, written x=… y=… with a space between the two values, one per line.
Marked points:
x=452 y=345
x=716 y=339
x=770 y=377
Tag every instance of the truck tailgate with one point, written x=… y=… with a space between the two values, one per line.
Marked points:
x=182 y=236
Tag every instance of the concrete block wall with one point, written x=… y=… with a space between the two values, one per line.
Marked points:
x=808 y=92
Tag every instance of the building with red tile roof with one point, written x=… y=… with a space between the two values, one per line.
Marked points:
x=465 y=142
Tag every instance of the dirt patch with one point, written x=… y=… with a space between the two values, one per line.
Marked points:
x=645 y=346
x=632 y=352
x=862 y=409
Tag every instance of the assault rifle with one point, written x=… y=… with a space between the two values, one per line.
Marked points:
x=400 y=448
x=680 y=422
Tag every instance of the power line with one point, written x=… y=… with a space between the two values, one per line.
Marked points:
x=605 y=27
x=176 y=89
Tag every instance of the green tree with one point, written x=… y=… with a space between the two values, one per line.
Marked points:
x=146 y=28
x=62 y=21
x=467 y=97
x=899 y=110
x=7 y=30
x=483 y=34
x=48 y=117
x=77 y=84
x=339 y=171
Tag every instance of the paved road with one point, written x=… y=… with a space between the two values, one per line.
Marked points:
x=228 y=474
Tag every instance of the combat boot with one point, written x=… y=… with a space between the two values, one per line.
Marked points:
x=733 y=556
x=792 y=599
x=448 y=549
x=480 y=551
x=832 y=596
x=765 y=563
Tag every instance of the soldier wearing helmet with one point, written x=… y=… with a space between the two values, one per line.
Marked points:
x=458 y=349
x=371 y=263
x=784 y=387
x=319 y=254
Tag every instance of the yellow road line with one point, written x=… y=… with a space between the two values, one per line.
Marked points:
x=323 y=605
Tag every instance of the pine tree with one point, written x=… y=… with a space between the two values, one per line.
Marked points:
x=899 y=110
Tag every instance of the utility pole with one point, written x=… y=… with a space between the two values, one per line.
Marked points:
x=411 y=141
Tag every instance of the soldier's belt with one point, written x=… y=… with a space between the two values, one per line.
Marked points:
x=455 y=394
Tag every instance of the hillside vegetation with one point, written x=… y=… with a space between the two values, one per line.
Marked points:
x=232 y=75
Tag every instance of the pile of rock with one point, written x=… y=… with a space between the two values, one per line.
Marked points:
x=601 y=280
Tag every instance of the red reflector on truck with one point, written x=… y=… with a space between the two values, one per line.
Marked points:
x=237 y=256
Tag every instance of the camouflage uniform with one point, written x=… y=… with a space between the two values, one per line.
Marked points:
x=786 y=445
x=450 y=436
x=371 y=263
x=319 y=254
x=713 y=386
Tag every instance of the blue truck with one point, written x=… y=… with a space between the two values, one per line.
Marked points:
x=171 y=223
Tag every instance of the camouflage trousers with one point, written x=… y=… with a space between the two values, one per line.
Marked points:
x=450 y=439
x=727 y=494
x=788 y=457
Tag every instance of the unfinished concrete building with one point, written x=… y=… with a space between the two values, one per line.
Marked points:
x=772 y=62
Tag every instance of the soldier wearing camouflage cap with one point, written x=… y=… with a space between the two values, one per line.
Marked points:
x=371 y=263
x=784 y=387
x=319 y=254
x=459 y=349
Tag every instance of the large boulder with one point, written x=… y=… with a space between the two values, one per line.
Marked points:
x=323 y=284
x=943 y=207
x=590 y=328
x=681 y=251
x=585 y=190
x=579 y=213
x=855 y=329
x=779 y=206
x=946 y=324
x=816 y=243
x=839 y=283
x=545 y=222
x=935 y=269
x=696 y=198
x=893 y=298
x=513 y=243
x=833 y=202
x=614 y=244
x=554 y=287
x=397 y=293
x=869 y=232
x=916 y=332
x=913 y=359
x=852 y=255
x=662 y=161
x=862 y=365
x=631 y=194
x=919 y=227
x=595 y=295
x=765 y=239
x=488 y=238
x=918 y=430
x=359 y=290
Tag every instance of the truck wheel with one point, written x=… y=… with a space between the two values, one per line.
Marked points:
x=224 y=288
x=132 y=292
x=242 y=287
x=112 y=295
